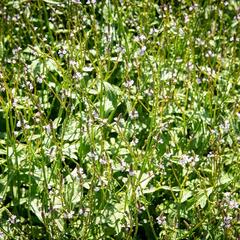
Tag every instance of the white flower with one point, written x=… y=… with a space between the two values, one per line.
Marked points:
x=133 y=114
x=87 y=69
x=185 y=159
x=131 y=173
x=149 y=92
x=19 y=124
x=93 y=155
x=69 y=215
x=91 y=2
x=161 y=220
x=29 y=85
x=47 y=128
x=96 y=189
x=134 y=142
x=233 y=204
x=13 y=219
x=238 y=115
x=40 y=79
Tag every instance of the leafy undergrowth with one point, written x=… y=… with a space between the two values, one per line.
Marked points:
x=119 y=119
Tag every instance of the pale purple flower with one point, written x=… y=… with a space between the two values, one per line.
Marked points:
x=227 y=222
x=78 y=76
x=128 y=83
x=185 y=159
x=2 y=235
x=233 y=204
x=103 y=161
x=142 y=50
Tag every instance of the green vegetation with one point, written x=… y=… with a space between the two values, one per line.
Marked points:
x=119 y=119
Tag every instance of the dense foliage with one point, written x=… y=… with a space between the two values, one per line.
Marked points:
x=119 y=119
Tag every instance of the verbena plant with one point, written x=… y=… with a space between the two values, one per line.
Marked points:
x=119 y=119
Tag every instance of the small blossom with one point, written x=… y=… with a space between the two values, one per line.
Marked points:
x=144 y=220
x=133 y=114
x=91 y=2
x=123 y=165
x=19 y=124
x=40 y=79
x=233 y=204
x=209 y=54
x=78 y=76
x=69 y=215
x=210 y=155
x=2 y=88
x=81 y=211
x=120 y=49
x=139 y=38
x=13 y=219
x=190 y=66
x=149 y=92
x=134 y=142
x=225 y=126
x=103 y=161
x=227 y=195
x=179 y=60
x=161 y=220
x=29 y=85
x=131 y=173
x=52 y=152
x=87 y=69
x=84 y=212
x=227 y=222
x=185 y=159
x=238 y=115
x=96 y=189
x=62 y=53
x=47 y=128
x=73 y=63
x=142 y=50
x=128 y=83
x=93 y=155
x=152 y=31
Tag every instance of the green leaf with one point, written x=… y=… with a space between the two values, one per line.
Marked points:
x=203 y=196
x=35 y=207
x=52 y=2
x=186 y=194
